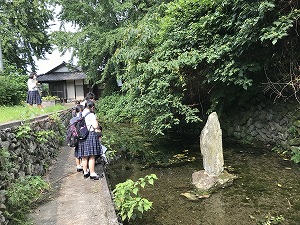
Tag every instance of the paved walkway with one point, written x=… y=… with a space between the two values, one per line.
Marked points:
x=75 y=200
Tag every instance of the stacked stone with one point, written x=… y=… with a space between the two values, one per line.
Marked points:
x=27 y=155
x=264 y=123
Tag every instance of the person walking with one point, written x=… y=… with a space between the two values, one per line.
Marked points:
x=90 y=148
x=89 y=96
x=74 y=109
x=33 y=96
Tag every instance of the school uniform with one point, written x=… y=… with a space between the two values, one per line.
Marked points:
x=33 y=96
x=91 y=145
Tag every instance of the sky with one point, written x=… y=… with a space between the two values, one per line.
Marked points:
x=56 y=58
x=52 y=61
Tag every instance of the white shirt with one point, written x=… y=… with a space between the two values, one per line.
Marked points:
x=31 y=84
x=83 y=103
x=90 y=120
x=85 y=111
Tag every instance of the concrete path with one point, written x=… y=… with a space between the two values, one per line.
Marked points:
x=75 y=200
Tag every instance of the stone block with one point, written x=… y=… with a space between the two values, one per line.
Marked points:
x=207 y=183
x=211 y=146
x=47 y=103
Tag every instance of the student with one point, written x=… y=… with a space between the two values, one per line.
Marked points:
x=90 y=148
x=74 y=113
x=89 y=96
x=78 y=111
x=33 y=96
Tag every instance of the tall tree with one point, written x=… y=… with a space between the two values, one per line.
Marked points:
x=24 y=31
x=100 y=24
x=171 y=55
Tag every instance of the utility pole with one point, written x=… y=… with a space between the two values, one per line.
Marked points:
x=1 y=60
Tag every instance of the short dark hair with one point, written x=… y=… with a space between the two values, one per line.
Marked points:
x=32 y=74
x=78 y=108
x=89 y=104
x=89 y=96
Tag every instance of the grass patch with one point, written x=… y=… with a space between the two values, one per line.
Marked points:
x=22 y=112
x=24 y=195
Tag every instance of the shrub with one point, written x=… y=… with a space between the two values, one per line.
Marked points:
x=295 y=155
x=116 y=108
x=23 y=131
x=50 y=97
x=43 y=136
x=128 y=201
x=13 y=89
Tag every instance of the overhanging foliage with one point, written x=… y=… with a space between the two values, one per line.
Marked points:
x=23 y=31
x=175 y=57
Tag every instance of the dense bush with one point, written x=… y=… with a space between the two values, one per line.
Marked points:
x=13 y=88
x=179 y=60
x=114 y=108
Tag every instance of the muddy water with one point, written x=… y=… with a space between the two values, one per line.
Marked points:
x=268 y=186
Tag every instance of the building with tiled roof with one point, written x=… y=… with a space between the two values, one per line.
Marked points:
x=66 y=81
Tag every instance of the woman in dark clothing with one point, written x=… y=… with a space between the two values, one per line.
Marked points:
x=33 y=96
x=90 y=148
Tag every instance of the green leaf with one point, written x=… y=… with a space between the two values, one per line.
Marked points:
x=135 y=191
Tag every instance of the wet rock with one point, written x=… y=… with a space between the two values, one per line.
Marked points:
x=21 y=174
x=204 y=182
x=254 y=133
x=2 y=196
x=12 y=146
x=5 y=145
x=269 y=116
x=32 y=147
x=194 y=197
x=250 y=121
x=262 y=134
x=213 y=176
x=258 y=124
x=2 y=206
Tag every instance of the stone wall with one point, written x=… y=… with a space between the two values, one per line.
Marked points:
x=267 y=123
x=29 y=155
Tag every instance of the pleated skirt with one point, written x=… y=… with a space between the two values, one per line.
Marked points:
x=76 y=152
x=90 y=146
x=33 y=97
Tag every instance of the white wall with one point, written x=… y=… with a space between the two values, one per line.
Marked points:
x=71 y=90
x=62 y=70
x=79 y=90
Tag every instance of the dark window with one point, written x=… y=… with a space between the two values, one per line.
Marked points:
x=57 y=89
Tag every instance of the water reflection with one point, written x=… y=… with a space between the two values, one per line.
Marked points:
x=267 y=184
x=214 y=207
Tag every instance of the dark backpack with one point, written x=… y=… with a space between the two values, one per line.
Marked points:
x=77 y=130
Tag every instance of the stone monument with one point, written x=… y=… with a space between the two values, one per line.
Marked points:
x=213 y=176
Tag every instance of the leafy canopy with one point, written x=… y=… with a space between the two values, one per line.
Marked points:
x=177 y=58
x=23 y=31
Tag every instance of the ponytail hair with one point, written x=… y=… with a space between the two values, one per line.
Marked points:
x=89 y=104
